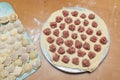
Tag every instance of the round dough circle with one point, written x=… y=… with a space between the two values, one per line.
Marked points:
x=71 y=67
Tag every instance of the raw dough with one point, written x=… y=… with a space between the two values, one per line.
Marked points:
x=4 y=73
x=30 y=48
x=36 y=63
x=13 y=17
x=10 y=27
x=14 y=56
x=10 y=68
x=25 y=42
x=2 y=29
x=25 y=57
x=101 y=26
x=7 y=61
x=11 y=40
x=20 y=30
x=3 y=37
x=2 y=45
x=32 y=55
x=10 y=77
x=13 y=32
x=18 y=62
x=27 y=67
x=19 y=37
x=17 y=45
x=17 y=71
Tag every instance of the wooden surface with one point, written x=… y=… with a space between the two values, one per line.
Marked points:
x=109 y=10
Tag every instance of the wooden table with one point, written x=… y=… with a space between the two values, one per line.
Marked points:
x=109 y=10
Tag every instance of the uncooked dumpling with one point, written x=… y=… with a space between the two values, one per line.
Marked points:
x=11 y=40
x=10 y=68
x=21 y=50
x=25 y=42
x=4 y=73
x=15 y=49
x=17 y=24
x=20 y=30
x=25 y=57
x=13 y=17
x=17 y=45
x=3 y=57
x=17 y=71
x=2 y=29
x=7 y=61
x=14 y=56
x=10 y=77
x=36 y=63
x=19 y=37
x=3 y=37
x=10 y=27
x=9 y=49
x=18 y=62
x=13 y=32
x=2 y=45
x=27 y=67
x=23 y=71
x=33 y=55
x=30 y=48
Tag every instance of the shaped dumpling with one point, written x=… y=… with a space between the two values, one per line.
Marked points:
x=20 y=30
x=10 y=68
x=9 y=27
x=13 y=32
x=2 y=29
x=10 y=77
x=17 y=45
x=27 y=67
x=3 y=37
x=18 y=62
x=2 y=45
x=23 y=71
x=19 y=37
x=4 y=73
x=17 y=24
x=36 y=63
x=25 y=57
x=13 y=17
x=11 y=40
x=8 y=50
x=17 y=71
x=3 y=57
x=7 y=61
x=25 y=42
x=33 y=55
x=14 y=56
x=30 y=48
x=21 y=50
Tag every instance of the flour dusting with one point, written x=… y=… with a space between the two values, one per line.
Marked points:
x=37 y=21
x=35 y=32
